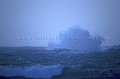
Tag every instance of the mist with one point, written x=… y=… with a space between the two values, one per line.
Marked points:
x=76 y=38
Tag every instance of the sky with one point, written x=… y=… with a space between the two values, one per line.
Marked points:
x=34 y=19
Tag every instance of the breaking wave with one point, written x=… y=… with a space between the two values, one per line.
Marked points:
x=36 y=71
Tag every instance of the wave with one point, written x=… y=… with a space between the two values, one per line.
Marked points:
x=36 y=71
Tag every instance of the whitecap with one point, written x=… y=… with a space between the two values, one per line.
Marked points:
x=36 y=71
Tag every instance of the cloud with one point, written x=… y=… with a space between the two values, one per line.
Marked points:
x=76 y=38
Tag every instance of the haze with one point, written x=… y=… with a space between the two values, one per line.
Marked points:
x=37 y=18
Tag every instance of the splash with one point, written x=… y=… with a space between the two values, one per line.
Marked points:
x=76 y=38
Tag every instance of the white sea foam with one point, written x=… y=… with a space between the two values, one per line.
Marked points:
x=36 y=71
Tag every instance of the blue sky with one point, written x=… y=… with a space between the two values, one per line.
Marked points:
x=36 y=18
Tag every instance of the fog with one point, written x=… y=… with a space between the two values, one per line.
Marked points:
x=76 y=38
x=41 y=18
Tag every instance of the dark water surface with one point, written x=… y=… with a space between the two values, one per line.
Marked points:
x=31 y=63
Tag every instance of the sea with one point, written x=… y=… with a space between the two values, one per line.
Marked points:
x=37 y=63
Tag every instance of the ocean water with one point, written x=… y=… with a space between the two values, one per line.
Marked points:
x=35 y=63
